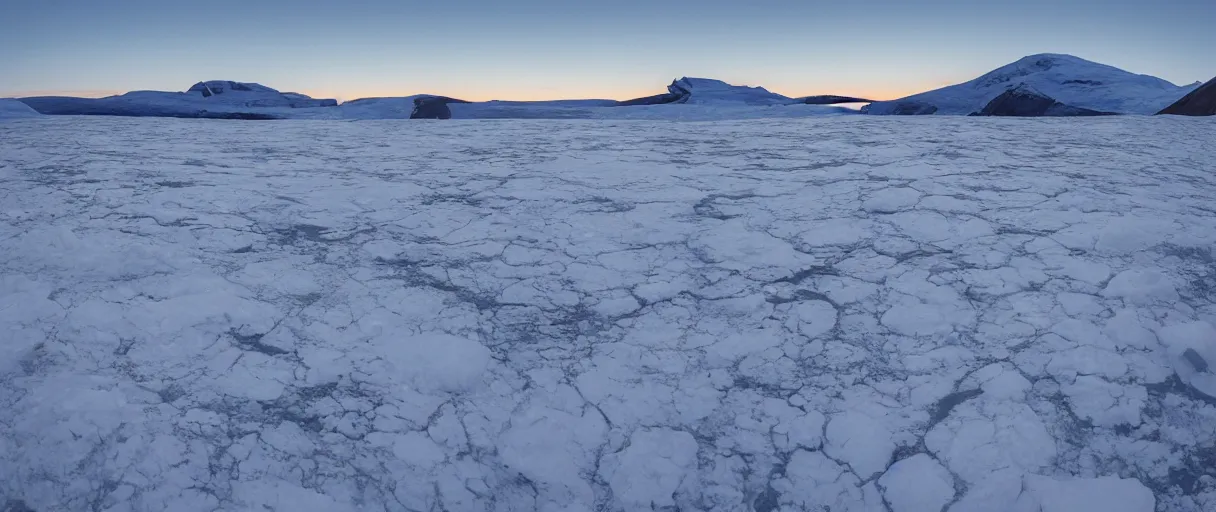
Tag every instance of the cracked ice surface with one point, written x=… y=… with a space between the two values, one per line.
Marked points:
x=854 y=313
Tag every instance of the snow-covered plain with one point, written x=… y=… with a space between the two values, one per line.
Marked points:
x=847 y=313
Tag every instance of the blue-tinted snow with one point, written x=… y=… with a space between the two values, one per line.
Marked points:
x=853 y=313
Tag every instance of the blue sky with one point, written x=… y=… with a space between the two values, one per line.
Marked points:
x=533 y=49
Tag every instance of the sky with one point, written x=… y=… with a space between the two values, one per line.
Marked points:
x=557 y=49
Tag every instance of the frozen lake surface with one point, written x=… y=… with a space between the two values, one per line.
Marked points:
x=845 y=314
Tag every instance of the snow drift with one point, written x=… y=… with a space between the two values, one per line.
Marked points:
x=1067 y=79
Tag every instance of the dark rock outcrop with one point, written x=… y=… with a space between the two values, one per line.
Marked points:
x=907 y=108
x=829 y=99
x=658 y=99
x=676 y=93
x=433 y=107
x=1200 y=102
x=1024 y=101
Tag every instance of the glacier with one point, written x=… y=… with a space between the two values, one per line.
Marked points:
x=1070 y=80
x=858 y=313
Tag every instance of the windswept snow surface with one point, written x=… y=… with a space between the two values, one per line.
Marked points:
x=861 y=314
x=1070 y=80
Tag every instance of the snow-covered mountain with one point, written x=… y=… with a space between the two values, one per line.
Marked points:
x=686 y=99
x=10 y=108
x=254 y=95
x=700 y=99
x=1067 y=79
x=709 y=91
x=210 y=99
x=701 y=91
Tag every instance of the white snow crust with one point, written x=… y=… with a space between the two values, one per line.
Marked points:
x=854 y=314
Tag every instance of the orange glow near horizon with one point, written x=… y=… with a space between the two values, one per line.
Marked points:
x=525 y=94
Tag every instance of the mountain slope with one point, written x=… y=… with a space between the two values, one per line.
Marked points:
x=211 y=99
x=1070 y=80
x=686 y=99
x=12 y=109
x=1200 y=102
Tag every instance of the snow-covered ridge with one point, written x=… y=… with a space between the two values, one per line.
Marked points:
x=254 y=95
x=1065 y=78
x=10 y=108
x=710 y=91
x=700 y=99
x=208 y=99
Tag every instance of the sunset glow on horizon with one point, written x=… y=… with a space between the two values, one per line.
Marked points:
x=545 y=49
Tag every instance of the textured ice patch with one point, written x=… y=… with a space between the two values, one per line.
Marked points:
x=1105 y=494
x=837 y=232
x=1140 y=286
x=860 y=441
x=917 y=484
x=815 y=317
x=553 y=449
x=648 y=472
x=436 y=362
x=1127 y=330
x=815 y=482
x=1106 y=403
x=1191 y=348
x=890 y=200
x=982 y=436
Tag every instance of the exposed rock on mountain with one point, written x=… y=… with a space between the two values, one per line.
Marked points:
x=909 y=108
x=1067 y=79
x=431 y=107
x=1025 y=101
x=829 y=99
x=658 y=99
x=1200 y=102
